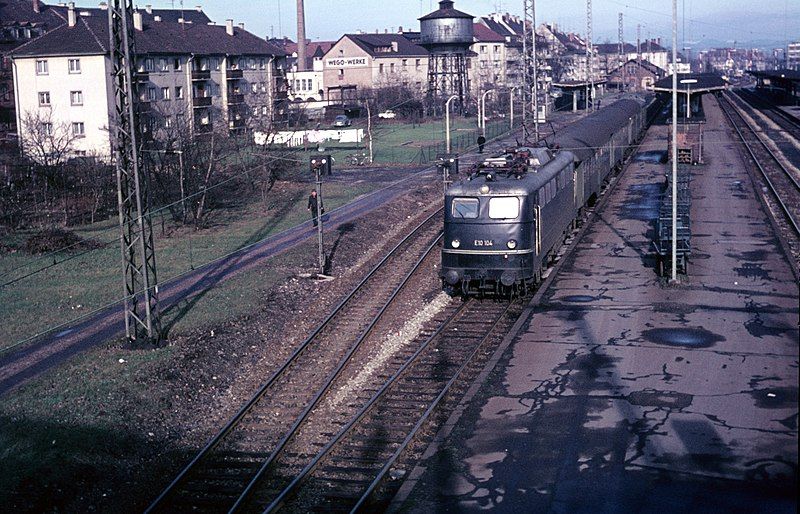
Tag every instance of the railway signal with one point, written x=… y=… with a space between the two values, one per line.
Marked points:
x=320 y=165
x=447 y=164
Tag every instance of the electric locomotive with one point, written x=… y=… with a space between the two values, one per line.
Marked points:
x=494 y=236
x=505 y=221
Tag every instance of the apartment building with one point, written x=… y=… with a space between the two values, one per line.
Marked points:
x=793 y=55
x=20 y=21
x=366 y=61
x=190 y=74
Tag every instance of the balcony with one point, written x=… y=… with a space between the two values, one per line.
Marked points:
x=235 y=74
x=141 y=76
x=201 y=101
x=201 y=75
x=234 y=99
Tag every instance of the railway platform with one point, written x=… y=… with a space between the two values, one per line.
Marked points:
x=621 y=393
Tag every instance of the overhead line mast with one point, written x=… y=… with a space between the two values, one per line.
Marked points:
x=142 y=323
x=530 y=89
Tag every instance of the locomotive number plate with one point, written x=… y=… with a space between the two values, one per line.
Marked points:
x=484 y=242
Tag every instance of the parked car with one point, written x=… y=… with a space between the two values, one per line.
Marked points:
x=341 y=121
x=388 y=114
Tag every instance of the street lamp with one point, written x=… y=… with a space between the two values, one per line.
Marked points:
x=688 y=97
x=447 y=121
x=483 y=111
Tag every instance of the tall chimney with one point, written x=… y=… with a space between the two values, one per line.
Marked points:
x=137 y=20
x=241 y=25
x=301 y=36
x=148 y=8
x=71 y=19
x=36 y=7
x=229 y=27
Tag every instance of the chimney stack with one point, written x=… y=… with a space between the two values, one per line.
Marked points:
x=241 y=26
x=199 y=8
x=71 y=18
x=148 y=8
x=229 y=27
x=137 y=20
x=156 y=18
x=103 y=6
x=37 y=8
x=301 y=36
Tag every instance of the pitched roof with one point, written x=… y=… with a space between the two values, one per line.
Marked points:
x=485 y=34
x=613 y=48
x=446 y=11
x=89 y=36
x=644 y=63
x=371 y=43
x=20 y=11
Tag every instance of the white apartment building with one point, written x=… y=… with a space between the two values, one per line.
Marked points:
x=199 y=75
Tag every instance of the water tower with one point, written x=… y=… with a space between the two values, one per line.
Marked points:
x=447 y=35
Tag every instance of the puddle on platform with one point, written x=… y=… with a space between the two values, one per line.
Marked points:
x=775 y=397
x=651 y=156
x=752 y=270
x=667 y=399
x=686 y=337
x=579 y=298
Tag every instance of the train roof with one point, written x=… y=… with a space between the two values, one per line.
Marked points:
x=584 y=136
x=504 y=183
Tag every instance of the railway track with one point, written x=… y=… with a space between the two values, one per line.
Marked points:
x=789 y=124
x=357 y=468
x=258 y=434
x=783 y=187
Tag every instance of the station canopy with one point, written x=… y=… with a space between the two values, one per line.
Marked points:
x=705 y=83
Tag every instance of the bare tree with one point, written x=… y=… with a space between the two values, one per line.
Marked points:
x=46 y=141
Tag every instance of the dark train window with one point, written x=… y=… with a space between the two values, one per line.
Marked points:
x=465 y=208
x=504 y=207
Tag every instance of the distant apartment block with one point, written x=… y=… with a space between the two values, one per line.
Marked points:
x=191 y=75
x=793 y=56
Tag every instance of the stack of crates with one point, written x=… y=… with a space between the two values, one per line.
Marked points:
x=663 y=242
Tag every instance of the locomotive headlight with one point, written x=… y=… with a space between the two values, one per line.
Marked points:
x=455 y=243
x=511 y=244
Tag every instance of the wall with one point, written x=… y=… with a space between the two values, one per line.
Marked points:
x=93 y=81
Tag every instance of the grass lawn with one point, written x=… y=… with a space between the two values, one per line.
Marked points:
x=85 y=283
x=401 y=142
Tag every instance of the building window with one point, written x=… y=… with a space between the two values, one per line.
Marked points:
x=76 y=97
x=215 y=64
x=341 y=72
x=254 y=87
x=47 y=129
x=176 y=64
x=165 y=93
x=405 y=61
x=163 y=64
x=74 y=65
x=496 y=49
x=262 y=64
x=167 y=121
x=41 y=67
x=152 y=94
x=391 y=67
x=178 y=92
x=297 y=84
x=44 y=98
x=380 y=68
x=251 y=64
x=418 y=63
x=149 y=64
x=483 y=49
x=263 y=110
x=203 y=64
x=78 y=129
x=263 y=87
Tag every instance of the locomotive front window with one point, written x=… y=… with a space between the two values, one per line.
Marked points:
x=466 y=208
x=503 y=207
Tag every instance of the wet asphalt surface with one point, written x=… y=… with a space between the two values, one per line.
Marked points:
x=621 y=394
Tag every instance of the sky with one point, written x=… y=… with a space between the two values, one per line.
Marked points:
x=742 y=21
